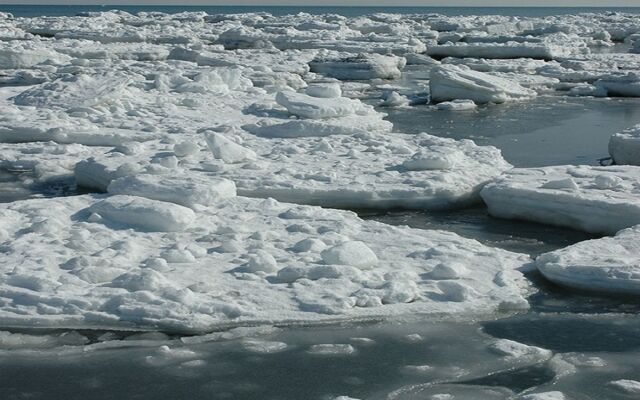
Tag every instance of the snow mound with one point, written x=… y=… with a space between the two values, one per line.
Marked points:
x=593 y=199
x=184 y=190
x=305 y=106
x=608 y=265
x=451 y=82
x=76 y=92
x=144 y=214
x=110 y=262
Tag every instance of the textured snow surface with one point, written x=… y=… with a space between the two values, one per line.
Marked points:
x=125 y=261
x=176 y=117
x=609 y=264
x=593 y=199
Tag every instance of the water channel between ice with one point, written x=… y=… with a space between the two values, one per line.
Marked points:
x=593 y=340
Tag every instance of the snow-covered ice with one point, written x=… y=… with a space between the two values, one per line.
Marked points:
x=593 y=199
x=453 y=82
x=624 y=147
x=608 y=265
x=124 y=261
x=214 y=137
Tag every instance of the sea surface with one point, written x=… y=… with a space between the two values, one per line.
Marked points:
x=403 y=360
x=20 y=10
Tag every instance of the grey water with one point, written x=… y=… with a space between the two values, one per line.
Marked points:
x=30 y=10
x=402 y=360
x=549 y=130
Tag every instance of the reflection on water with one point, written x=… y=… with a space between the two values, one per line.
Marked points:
x=548 y=130
x=475 y=223
x=403 y=360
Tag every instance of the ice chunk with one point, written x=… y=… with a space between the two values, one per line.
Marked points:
x=555 y=395
x=26 y=56
x=365 y=170
x=324 y=90
x=185 y=190
x=499 y=50
x=332 y=349
x=360 y=67
x=624 y=147
x=609 y=265
x=227 y=150
x=305 y=106
x=627 y=386
x=593 y=199
x=457 y=105
x=394 y=99
x=451 y=82
x=144 y=214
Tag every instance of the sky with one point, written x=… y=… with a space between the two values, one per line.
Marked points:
x=475 y=3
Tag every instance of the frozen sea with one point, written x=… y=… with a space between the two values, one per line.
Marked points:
x=405 y=359
x=583 y=345
x=348 y=11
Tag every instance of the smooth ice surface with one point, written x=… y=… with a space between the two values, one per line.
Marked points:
x=609 y=264
x=237 y=261
x=593 y=199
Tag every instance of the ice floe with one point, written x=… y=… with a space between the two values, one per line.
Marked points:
x=124 y=261
x=608 y=265
x=624 y=147
x=450 y=82
x=593 y=199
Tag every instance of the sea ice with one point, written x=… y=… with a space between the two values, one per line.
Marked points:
x=624 y=147
x=608 y=265
x=451 y=82
x=593 y=199
x=360 y=67
x=125 y=261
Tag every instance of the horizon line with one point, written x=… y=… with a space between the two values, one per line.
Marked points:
x=315 y=6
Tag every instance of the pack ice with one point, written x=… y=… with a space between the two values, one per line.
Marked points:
x=190 y=122
x=130 y=262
